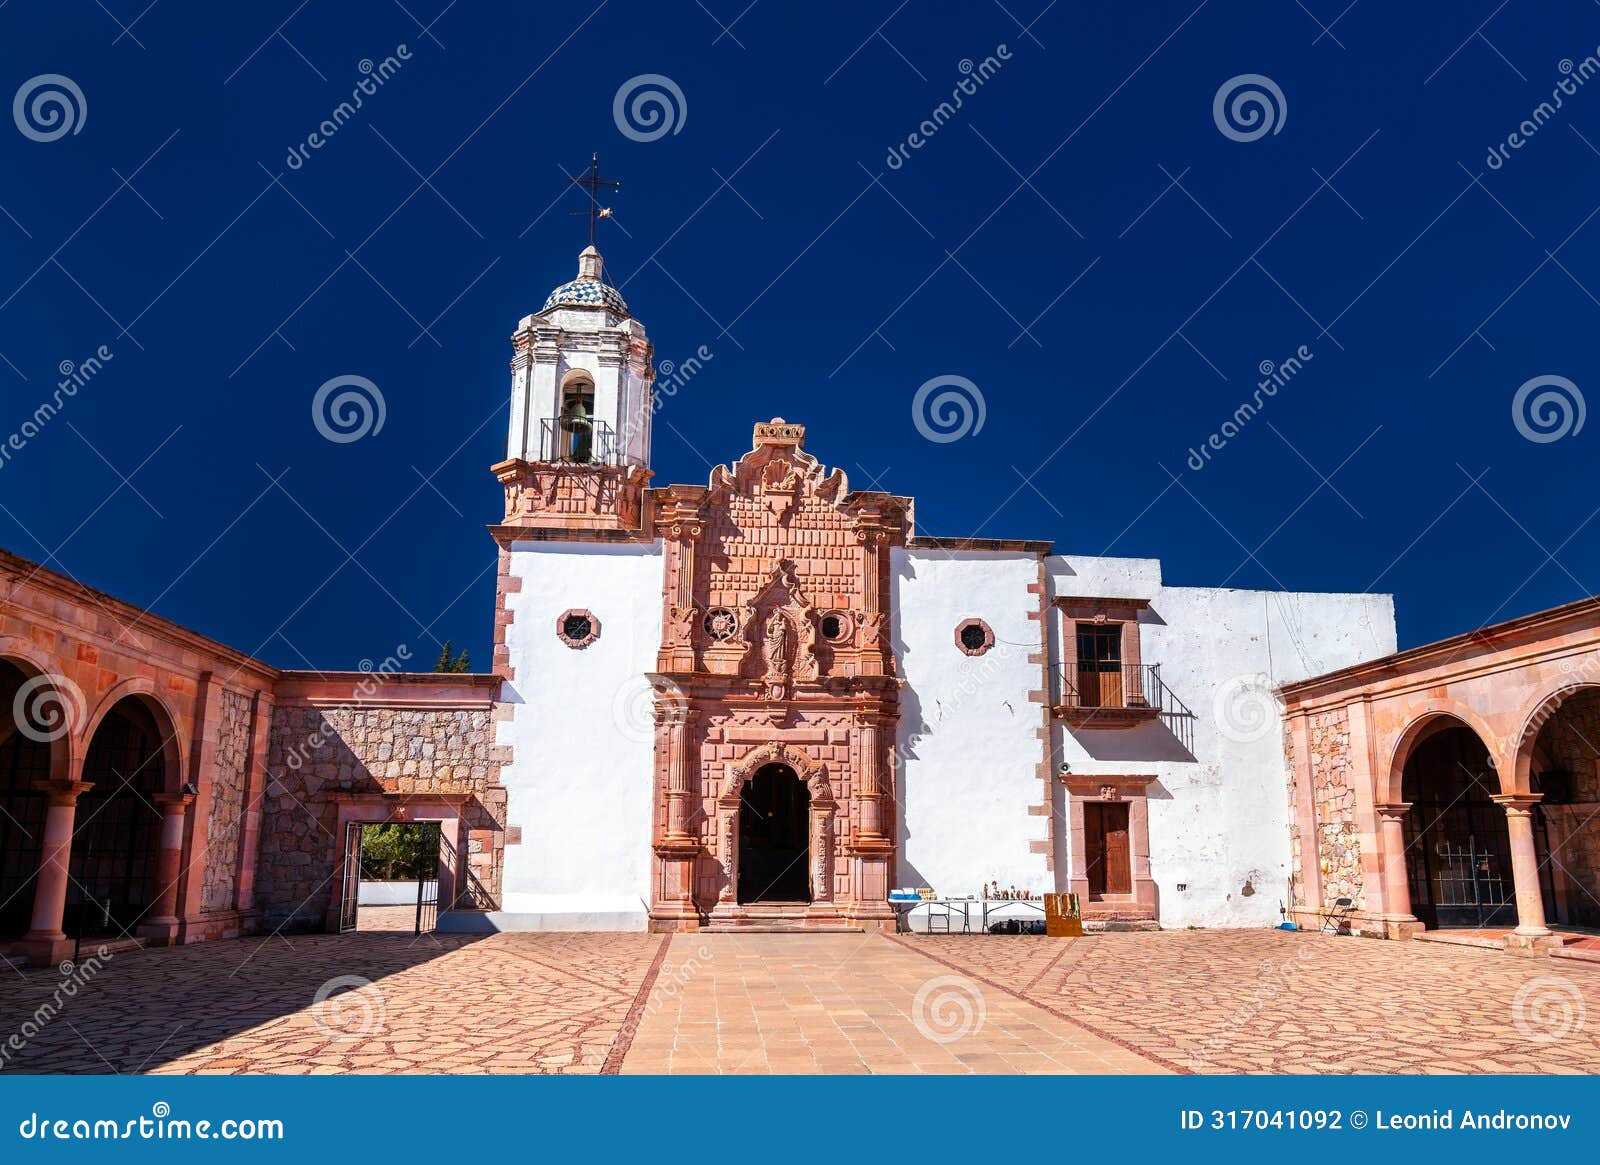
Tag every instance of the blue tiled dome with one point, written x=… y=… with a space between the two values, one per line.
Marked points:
x=587 y=292
x=589 y=289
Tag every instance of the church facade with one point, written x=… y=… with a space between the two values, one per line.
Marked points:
x=768 y=700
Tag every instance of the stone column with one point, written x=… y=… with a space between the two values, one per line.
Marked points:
x=162 y=923
x=871 y=790
x=45 y=941
x=821 y=854
x=1398 y=920
x=675 y=720
x=1531 y=932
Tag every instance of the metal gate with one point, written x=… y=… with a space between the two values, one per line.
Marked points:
x=1472 y=890
x=428 y=884
x=351 y=894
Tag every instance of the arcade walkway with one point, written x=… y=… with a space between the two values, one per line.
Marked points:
x=1203 y=1001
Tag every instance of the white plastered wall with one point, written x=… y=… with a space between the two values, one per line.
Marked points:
x=968 y=743
x=579 y=785
x=1219 y=807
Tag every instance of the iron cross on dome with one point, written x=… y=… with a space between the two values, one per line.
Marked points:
x=593 y=183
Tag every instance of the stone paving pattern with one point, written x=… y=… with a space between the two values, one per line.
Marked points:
x=511 y=1003
x=846 y=1003
x=1271 y=1001
x=1206 y=1001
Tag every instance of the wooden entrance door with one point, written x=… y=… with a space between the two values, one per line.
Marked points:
x=1107 y=854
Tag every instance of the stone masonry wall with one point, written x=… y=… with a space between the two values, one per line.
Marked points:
x=227 y=803
x=314 y=752
x=1333 y=798
x=1297 y=887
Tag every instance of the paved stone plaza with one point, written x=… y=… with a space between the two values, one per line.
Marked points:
x=1204 y=1001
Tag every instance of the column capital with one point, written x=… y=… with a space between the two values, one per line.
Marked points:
x=174 y=802
x=63 y=792
x=1393 y=810
x=1517 y=803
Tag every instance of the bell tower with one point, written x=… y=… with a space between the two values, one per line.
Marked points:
x=578 y=451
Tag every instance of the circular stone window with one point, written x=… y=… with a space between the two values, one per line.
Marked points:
x=974 y=636
x=834 y=625
x=577 y=628
x=720 y=624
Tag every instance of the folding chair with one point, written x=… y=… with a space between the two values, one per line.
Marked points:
x=1336 y=918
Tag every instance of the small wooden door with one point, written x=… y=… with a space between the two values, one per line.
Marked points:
x=1108 y=857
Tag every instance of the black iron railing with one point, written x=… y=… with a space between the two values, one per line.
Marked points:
x=578 y=440
x=1126 y=687
x=1118 y=685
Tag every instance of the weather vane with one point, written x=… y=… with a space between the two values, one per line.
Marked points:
x=593 y=183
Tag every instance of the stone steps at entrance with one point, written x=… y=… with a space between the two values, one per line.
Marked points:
x=761 y=926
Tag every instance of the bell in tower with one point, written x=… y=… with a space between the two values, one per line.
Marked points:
x=578 y=452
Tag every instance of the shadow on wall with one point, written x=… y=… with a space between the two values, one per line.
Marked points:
x=315 y=753
x=1145 y=743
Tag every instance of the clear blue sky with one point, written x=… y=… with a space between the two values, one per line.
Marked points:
x=1080 y=240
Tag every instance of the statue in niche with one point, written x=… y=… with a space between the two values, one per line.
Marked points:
x=777 y=645
x=809 y=666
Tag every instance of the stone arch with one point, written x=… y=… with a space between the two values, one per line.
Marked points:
x=144 y=690
x=36 y=664
x=812 y=771
x=1429 y=717
x=1530 y=720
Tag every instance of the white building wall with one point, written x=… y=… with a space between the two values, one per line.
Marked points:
x=968 y=743
x=1219 y=808
x=579 y=784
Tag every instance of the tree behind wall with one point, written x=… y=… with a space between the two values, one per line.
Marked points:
x=395 y=853
x=449 y=663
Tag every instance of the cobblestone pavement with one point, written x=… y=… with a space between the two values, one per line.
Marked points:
x=1269 y=1001
x=843 y=1003
x=1208 y=1001
x=529 y=1003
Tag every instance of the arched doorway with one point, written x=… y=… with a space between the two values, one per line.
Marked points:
x=117 y=835
x=774 y=837
x=1563 y=766
x=1458 y=846
x=24 y=759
